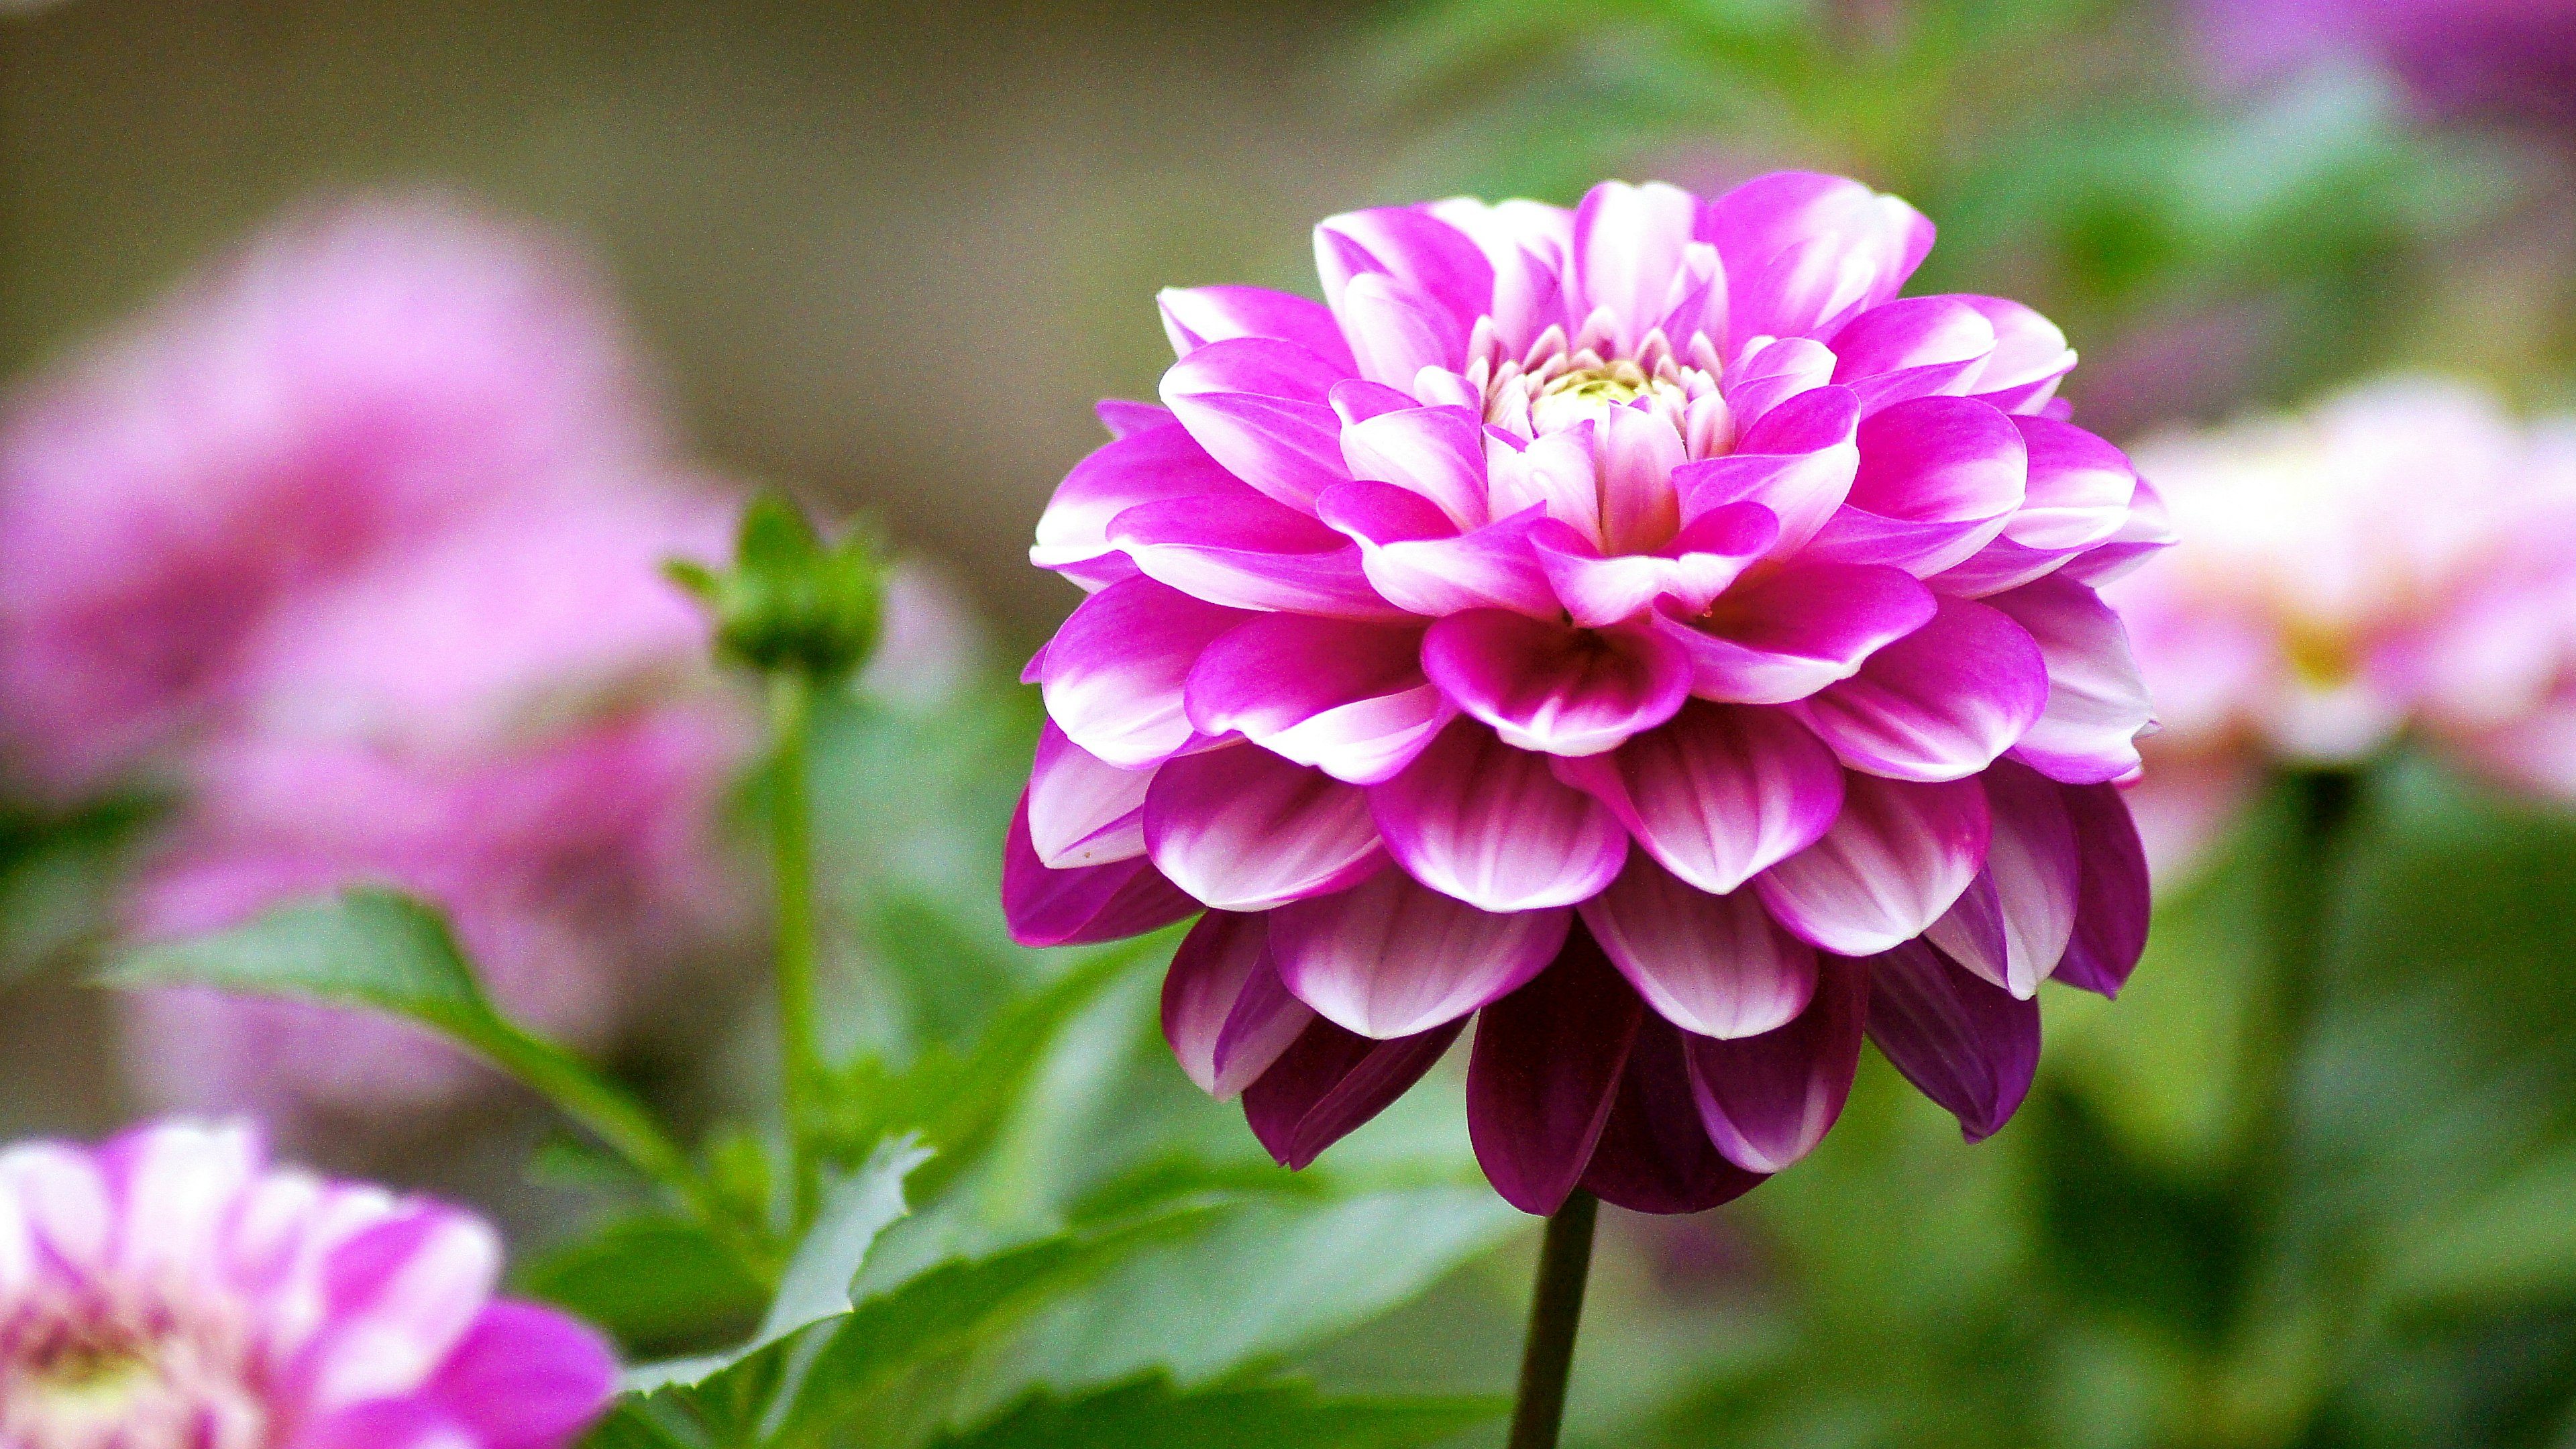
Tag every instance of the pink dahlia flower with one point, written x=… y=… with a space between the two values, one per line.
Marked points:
x=514 y=722
x=2508 y=57
x=359 y=378
x=2404 y=556
x=172 y=1288
x=1637 y=624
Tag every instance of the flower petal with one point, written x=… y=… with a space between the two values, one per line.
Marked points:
x=1966 y=1044
x=1799 y=461
x=1910 y=348
x=2097 y=702
x=1628 y=249
x=1122 y=417
x=2078 y=490
x=1718 y=794
x=2148 y=530
x=1083 y=810
x=1894 y=861
x=1112 y=675
x=1487 y=824
x=1243 y=830
x=1329 y=1082
x=1263 y=410
x=1768 y=1100
x=1076 y=907
x=1246 y=552
x=1940 y=703
x=1412 y=245
x=1654 y=1155
x=398 y=1297
x=1712 y=965
x=2030 y=356
x=1389 y=958
x=1552 y=687
x=1143 y=467
x=2112 y=902
x=1939 y=477
x=1396 y=331
x=1786 y=635
x=1225 y=1011
x=1694 y=568
x=1436 y=452
x=1544 y=1073
x=1416 y=558
x=1775 y=372
x=525 y=1377
x=1350 y=699
x=1193 y=317
x=2034 y=871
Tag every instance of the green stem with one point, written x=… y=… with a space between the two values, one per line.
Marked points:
x=1556 y=1311
x=791 y=835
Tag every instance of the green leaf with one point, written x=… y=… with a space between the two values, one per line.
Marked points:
x=654 y=1282
x=1152 y=1414
x=2513 y=1244
x=817 y=1282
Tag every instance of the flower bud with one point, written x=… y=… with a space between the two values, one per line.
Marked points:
x=790 y=601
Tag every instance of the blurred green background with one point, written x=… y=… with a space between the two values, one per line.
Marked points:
x=2311 y=1182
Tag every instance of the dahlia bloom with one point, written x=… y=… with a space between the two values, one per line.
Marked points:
x=1636 y=624
x=2511 y=57
x=360 y=378
x=515 y=722
x=2402 y=557
x=172 y=1288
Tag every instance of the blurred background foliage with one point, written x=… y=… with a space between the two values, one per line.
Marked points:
x=2311 y=1182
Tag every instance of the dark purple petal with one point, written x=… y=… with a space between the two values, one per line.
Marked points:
x=1477 y=820
x=1964 y=1042
x=1193 y=317
x=2111 y=903
x=1896 y=858
x=1243 y=830
x=1545 y=1070
x=1714 y=965
x=1262 y=409
x=1077 y=907
x=1553 y=687
x=1112 y=675
x=1350 y=699
x=1940 y=703
x=1767 y=1100
x=1654 y=1155
x=1329 y=1082
x=1389 y=958
x=1718 y=794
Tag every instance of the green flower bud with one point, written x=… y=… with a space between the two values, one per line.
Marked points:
x=791 y=602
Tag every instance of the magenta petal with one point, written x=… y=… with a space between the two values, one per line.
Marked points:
x=1894 y=861
x=1263 y=410
x=1552 y=687
x=1330 y=1081
x=1799 y=461
x=1693 y=569
x=1784 y=636
x=1193 y=317
x=405 y=1423
x=1224 y=1010
x=2002 y=564
x=1628 y=249
x=1768 y=1100
x=2112 y=903
x=1716 y=966
x=2030 y=356
x=2033 y=871
x=1967 y=1044
x=1940 y=703
x=2078 y=491
x=1545 y=1070
x=1243 y=830
x=525 y=1377
x=1158 y=463
x=1389 y=958
x=1416 y=558
x=1654 y=1155
x=1916 y=347
x=1083 y=810
x=1413 y=246
x=1774 y=373
x=1490 y=825
x=1719 y=793
x=1939 y=477
x=2097 y=702
x=1246 y=552
x=1350 y=699
x=1076 y=907
x=1436 y=452
x=1395 y=330
x=1112 y=675
x=1805 y=250
x=1122 y=417
x=2149 y=529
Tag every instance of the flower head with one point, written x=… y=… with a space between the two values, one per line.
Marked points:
x=170 y=1287
x=1637 y=624
x=2402 y=556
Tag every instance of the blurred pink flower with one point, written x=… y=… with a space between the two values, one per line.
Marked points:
x=1635 y=624
x=2403 y=556
x=360 y=377
x=2506 y=57
x=172 y=1288
x=513 y=721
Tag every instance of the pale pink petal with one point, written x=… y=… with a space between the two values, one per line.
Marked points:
x=2097 y=702
x=1716 y=966
x=1786 y=635
x=1628 y=246
x=2033 y=866
x=1940 y=703
x=1243 y=830
x=1263 y=410
x=1416 y=558
x=2148 y=530
x=1768 y=1100
x=1395 y=330
x=1479 y=821
x=1413 y=246
x=1553 y=687
x=1388 y=958
x=399 y=1296
x=1083 y=810
x=1772 y=374
x=1225 y=1011
x=1634 y=455
x=1805 y=251
x=1545 y=1071
x=1436 y=452
x=1122 y=417
x=1112 y=675
x=1349 y=699
x=2079 y=488
x=1968 y=1045
x=1719 y=794
x=2030 y=356
x=1896 y=858
x=1193 y=317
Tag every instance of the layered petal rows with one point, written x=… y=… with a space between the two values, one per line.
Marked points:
x=1635 y=624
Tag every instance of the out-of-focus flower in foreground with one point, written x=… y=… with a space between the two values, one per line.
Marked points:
x=2514 y=58
x=362 y=377
x=1635 y=623
x=172 y=1288
x=2403 y=556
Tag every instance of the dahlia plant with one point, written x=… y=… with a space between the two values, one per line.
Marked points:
x=1635 y=624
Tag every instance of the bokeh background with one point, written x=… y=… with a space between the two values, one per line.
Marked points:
x=2310 y=1182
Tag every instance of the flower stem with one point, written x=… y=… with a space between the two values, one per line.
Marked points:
x=1556 y=1311
x=791 y=833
